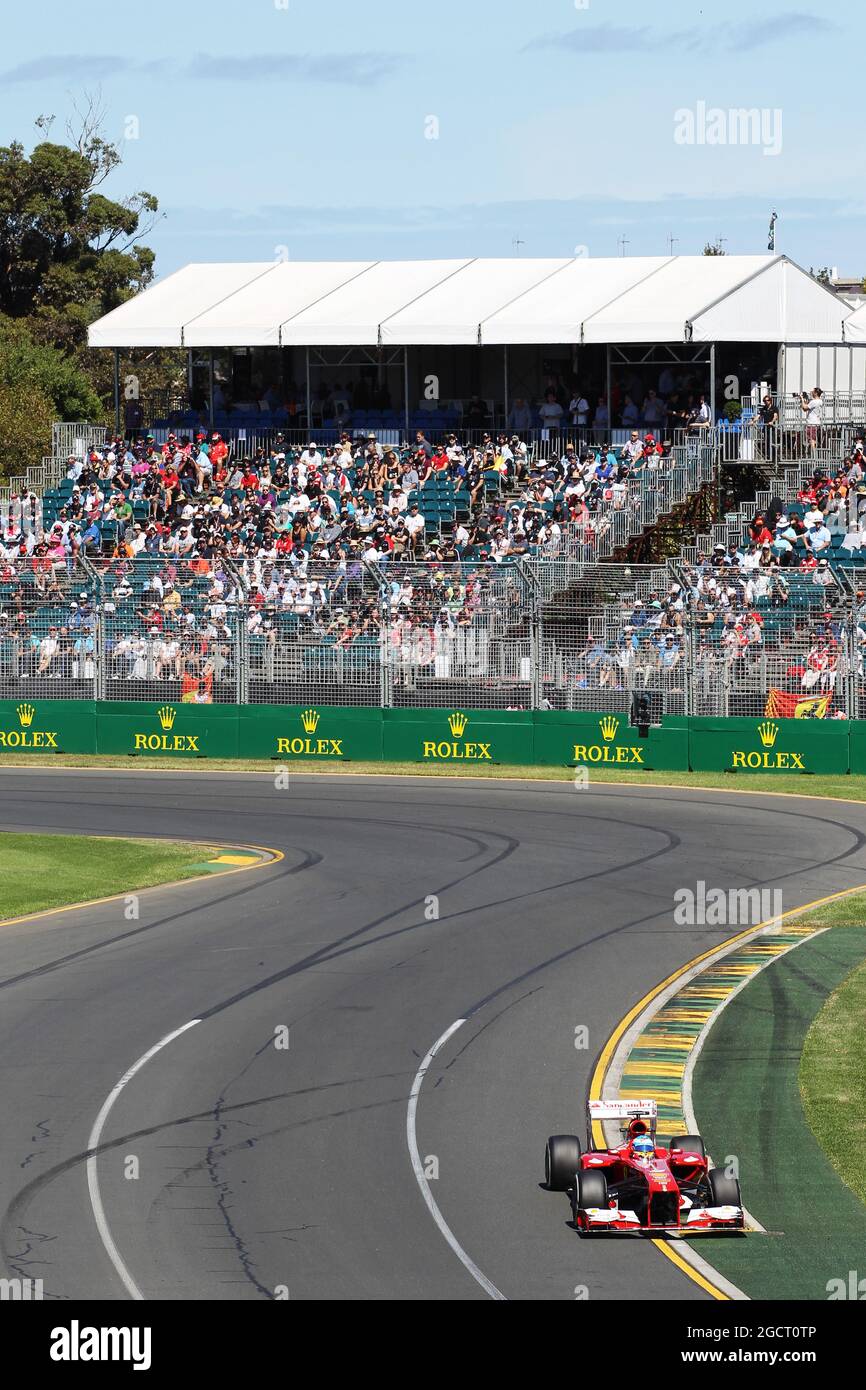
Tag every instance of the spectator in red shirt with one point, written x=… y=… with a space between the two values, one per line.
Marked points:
x=171 y=486
x=218 y=451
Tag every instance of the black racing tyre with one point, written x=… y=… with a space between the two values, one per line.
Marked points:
x=692 y=1143
x=561 y=1161
x=591 y=1189
x=725 y=1191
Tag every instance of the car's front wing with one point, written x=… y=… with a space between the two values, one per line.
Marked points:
x=621 y=1220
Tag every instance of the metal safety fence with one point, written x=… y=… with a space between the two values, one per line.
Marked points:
x=680 y=638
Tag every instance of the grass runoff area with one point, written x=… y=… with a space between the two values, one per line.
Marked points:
x=781 y=1084
x=45 y=871
x=851 y=788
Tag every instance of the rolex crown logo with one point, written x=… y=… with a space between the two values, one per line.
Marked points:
x=310 y=720
x=25 y=715
x=768 y=733
x=166 y=715
x=608 y=727
x=457 y=724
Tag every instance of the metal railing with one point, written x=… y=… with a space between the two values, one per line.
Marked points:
x=750 y=441
x=246 y=439
x=563 y=634
x=837 y=407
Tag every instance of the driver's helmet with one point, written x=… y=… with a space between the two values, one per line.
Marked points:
x=642 y=1146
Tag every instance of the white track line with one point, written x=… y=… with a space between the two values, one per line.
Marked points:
x=421 y=1178
x=92 y=1147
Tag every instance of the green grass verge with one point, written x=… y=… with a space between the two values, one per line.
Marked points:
x=45 y=871
x=748 y=1103
x=848 y=788
x=833 y=1077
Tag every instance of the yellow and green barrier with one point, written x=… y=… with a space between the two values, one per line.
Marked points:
x=584 y=739
x=47 y=726
x=167 y=730
x=769 y=745
x=465 y=737
x=323 y=733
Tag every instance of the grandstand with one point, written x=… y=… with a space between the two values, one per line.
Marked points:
x=512 y=597
x=384 y=558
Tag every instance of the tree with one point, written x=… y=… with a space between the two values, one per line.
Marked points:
x=24 y=361
x=715 y=248
x=26 y=415
x=68 y=253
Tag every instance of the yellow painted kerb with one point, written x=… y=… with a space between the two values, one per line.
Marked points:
x=596 y=1085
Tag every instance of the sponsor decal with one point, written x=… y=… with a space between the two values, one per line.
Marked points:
x=605 y=752
x=25 y=736
x=770 y=759
x=309 y=746
x=458 y=747
x=167 y=741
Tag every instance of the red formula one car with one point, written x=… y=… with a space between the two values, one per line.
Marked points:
x=639 y=1184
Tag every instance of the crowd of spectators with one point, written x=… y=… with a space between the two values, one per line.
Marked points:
x=756 y=613
x=675 y=399
x=285 y=540
x=186 y=531
x=676 y=403
x=196 y=498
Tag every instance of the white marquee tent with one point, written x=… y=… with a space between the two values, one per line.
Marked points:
x=676 y=299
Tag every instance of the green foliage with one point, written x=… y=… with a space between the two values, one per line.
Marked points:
x=26 y=362
x=68 y=254
x=26 y=416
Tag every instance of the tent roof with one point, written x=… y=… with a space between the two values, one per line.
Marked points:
x=353 y=314
x=452 y=312
x=554 y=310
x=641 y=299
x=855 y=326
x=156 y=317
x=257 y=313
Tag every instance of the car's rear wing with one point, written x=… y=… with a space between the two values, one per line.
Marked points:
x=623 y=1110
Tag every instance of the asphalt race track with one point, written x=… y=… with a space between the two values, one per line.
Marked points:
x=263 y=1168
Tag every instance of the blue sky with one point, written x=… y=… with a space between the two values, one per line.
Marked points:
x=300 y=127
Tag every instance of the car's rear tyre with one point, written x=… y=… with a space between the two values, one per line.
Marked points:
x=692 y=1143
x=561 y=1161
x=725 y=1191
x=591 y=1190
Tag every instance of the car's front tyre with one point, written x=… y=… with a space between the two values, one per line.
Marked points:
x=561 y=1161
x=725 y=1191
x=689 y=1143
x=590 y=1190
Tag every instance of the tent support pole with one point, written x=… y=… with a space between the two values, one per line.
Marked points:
x=406 y=391
x=117 y=390
x=505 y=383
x=718 y=452
x=607 y=389
x=210 y=389
x=309 y=397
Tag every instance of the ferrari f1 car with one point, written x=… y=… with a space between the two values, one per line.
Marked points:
x=641 y=1184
